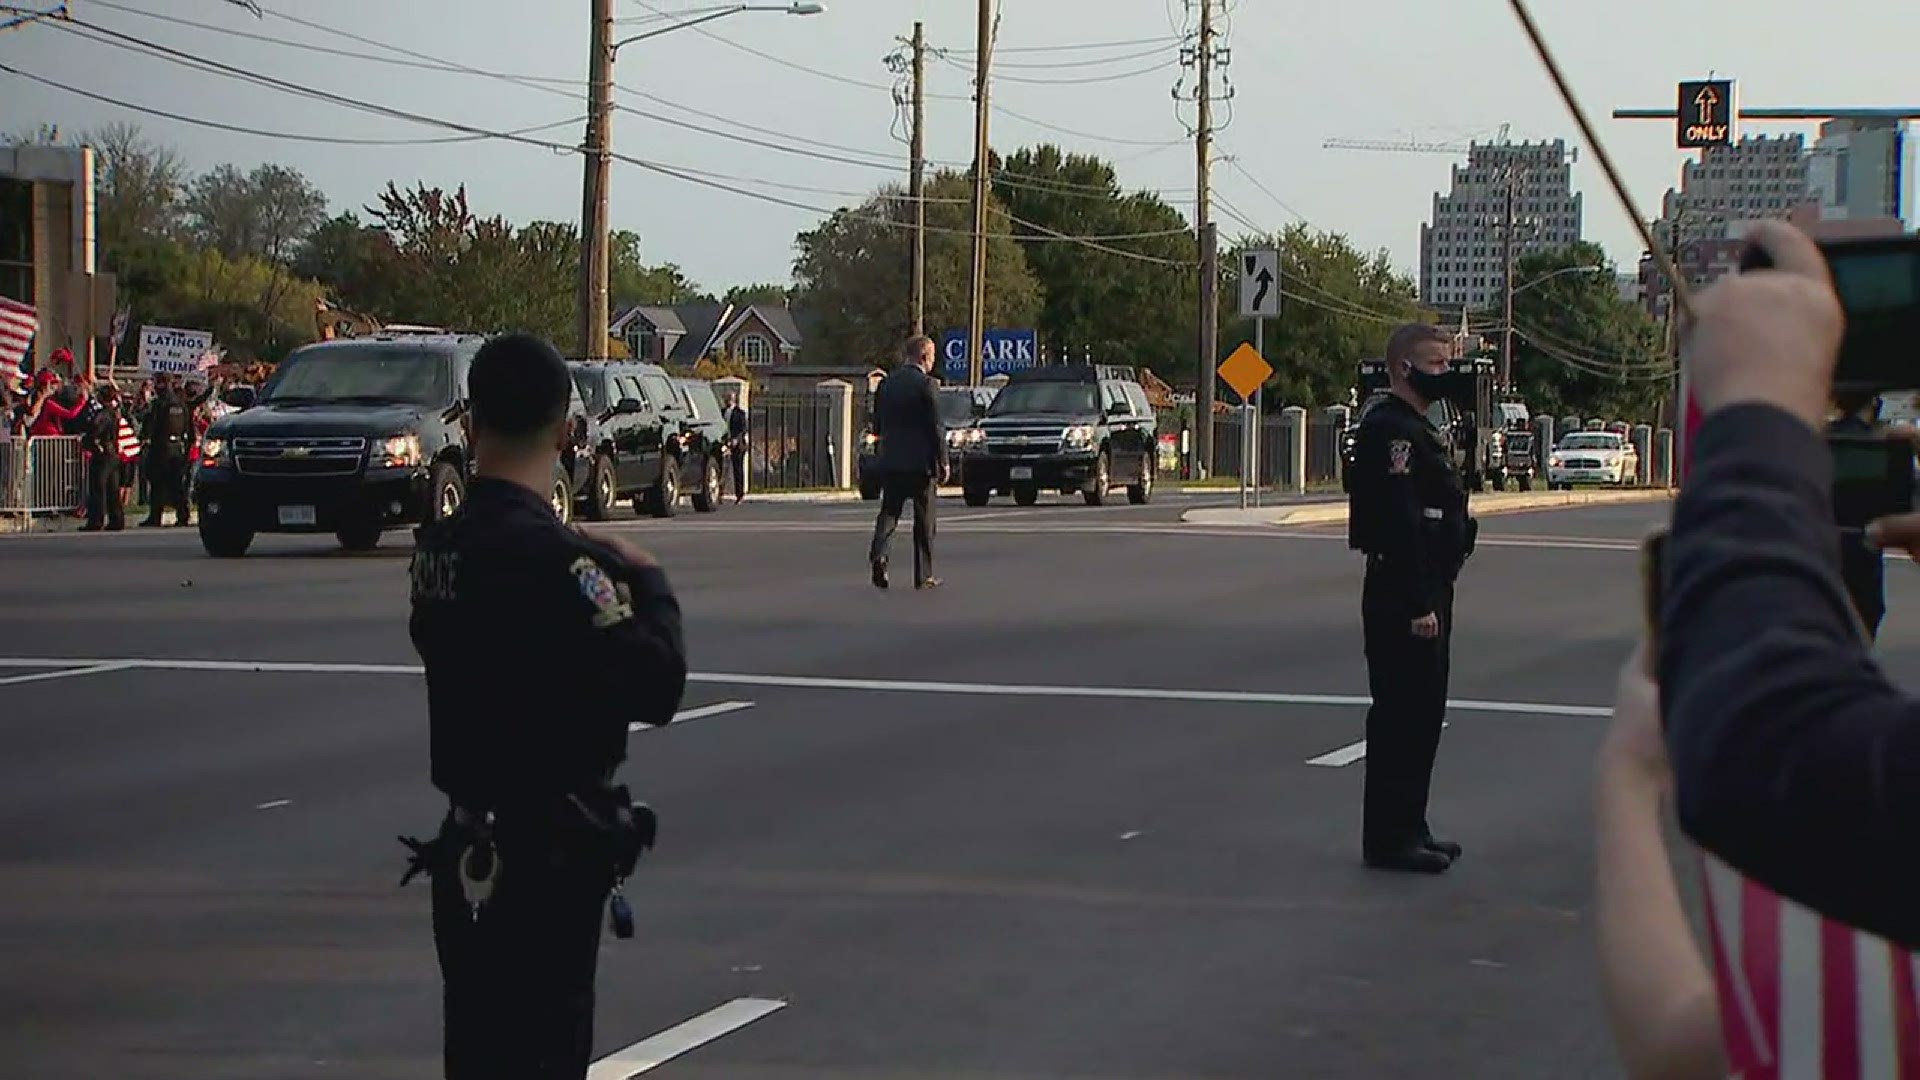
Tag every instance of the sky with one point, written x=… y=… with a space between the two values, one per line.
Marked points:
x=1302 y=72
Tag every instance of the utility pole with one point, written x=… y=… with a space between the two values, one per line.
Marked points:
x=916 y=185
x=977 y=306
x=1506 y=244
x=1208 y=238
x=596 y=158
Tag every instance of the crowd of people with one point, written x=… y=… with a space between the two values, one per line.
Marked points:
x=131 y=447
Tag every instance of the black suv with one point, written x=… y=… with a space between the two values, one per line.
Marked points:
x=960 y=406
x=703 y=443
x=632 y=445
x=350 y=437
x=1065 y=429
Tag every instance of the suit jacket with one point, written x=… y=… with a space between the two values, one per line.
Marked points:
x=906 y=417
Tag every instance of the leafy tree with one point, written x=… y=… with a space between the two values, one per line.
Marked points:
x=631 y=281
x=852 y=271
x=1128 y=301
x=265 y=213
x=1578 y=347
x=208 y=290
x=1338 y=307
x=137 y=190
x=743 y=295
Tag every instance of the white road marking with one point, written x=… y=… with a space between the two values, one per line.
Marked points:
x=900 y=686
x=1132 y=834
x=701 y=713
x=275 y=804
x=90 y=669
x=649 y=1054
x=1341 y=758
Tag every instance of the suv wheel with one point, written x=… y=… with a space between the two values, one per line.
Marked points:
x=973 y=496
x=448 y=491
x=1525 y=482
x=1096 y=491
x=602 y=489
x=224 y=542
x=359 y=537
x=664 y=500
x=562 y=500
x=1026 y=495
x=1141 y=493
x=707 y=499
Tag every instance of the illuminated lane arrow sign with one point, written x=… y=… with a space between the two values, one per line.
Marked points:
x=1705 y=114
x=1708 y=101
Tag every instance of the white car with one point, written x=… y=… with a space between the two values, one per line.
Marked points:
x=1593 y=457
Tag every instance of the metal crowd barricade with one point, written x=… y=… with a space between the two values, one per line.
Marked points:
x=790 y=438
x=42 y=475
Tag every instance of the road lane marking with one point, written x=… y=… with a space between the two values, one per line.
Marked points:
x=701 y=713
x=274 y=804
x=899 y=686
x=90 y=669
x=649 y=1054
x=1341 y=758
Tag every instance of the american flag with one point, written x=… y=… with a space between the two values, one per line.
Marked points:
x=18 y=322
x=129 y=442
x=1802 y=996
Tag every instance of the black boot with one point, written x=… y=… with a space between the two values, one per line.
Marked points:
x=1413 y=858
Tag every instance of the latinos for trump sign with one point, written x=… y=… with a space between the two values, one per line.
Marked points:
x=1005 y=352
x=167 y=351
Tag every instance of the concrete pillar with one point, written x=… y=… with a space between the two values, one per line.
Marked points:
x=839 y=398
x=1641 y=436
x=1293 y=420
x=1662 y=476
x=1571 y=424
x=1543 y=432
x=1337 y=417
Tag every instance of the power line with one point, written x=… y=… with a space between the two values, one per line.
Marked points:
x=1233 y=162
x=1082 y=81
x=1086 y=46
x=1116 y=140
x=1068 y=65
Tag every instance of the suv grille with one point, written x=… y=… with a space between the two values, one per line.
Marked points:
x=1025 y=440
x=300 y=456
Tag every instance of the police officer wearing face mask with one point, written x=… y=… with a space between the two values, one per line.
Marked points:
x=541 y=645
x=1408 y=512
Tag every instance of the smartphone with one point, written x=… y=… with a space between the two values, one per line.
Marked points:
x=1873 y=477
x=1878 y=282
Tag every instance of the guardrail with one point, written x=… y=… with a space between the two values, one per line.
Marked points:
x=42 y=475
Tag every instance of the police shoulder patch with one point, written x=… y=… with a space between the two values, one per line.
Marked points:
x=1399 y=457
x=608 y=606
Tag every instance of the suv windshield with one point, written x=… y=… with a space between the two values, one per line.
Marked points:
x=956 y=406
x=1046 y=397
x=706 y=404
x=593 y=391
x=399 y=374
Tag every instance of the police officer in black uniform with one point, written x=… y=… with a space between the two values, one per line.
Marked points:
x=541 y=646
x=164 y=442
x=100 y=435
x=1408 y=512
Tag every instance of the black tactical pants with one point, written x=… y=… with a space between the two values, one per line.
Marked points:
x=166 y=485
x=1407 y=677
x=104 y=508
x=518 y=979
x=898 y=489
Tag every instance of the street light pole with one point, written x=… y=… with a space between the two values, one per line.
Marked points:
x=598 y=156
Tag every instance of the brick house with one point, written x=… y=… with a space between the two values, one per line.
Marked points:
x=760 y=335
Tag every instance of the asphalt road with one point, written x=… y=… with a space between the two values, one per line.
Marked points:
x=920 y=828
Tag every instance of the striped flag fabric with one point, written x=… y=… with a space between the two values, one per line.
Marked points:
x=1803 y=997
x=129 y=442
x=18 y=323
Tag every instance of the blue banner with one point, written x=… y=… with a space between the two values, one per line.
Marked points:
x=1004 y=351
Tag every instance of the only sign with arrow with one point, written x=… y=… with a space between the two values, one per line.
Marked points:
x=1260 y=284
x=1705 y=113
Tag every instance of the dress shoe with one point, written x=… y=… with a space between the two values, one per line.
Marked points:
x=879 y=573
x=930 y=583
x=1413 y=858
x=1445 y=847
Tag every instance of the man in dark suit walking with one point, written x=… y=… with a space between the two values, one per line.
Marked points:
x=913 y=459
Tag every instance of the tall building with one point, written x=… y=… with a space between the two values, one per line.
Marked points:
x=1462 y=261
x=1863 y=169
x=1761 y=176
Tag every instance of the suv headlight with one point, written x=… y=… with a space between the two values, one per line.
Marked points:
x=395 y=451
x=968 y=439
x=213 y=452
x=1080 y=437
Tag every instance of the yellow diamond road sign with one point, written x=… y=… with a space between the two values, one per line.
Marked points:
x=1245 y=371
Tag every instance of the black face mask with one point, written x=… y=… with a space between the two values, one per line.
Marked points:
x=1428 y=385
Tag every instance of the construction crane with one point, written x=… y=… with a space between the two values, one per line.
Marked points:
x=1408 y=147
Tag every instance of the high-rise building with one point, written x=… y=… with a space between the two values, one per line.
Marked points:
x=1761 y=176
x=1863 y=169
x=1462 y=261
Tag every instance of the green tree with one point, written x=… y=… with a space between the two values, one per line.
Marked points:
x=207 y=290
x=777 y=295
x=1578 y=347
x=632 y=281
x=852 y=273
x=1338 y=306
x=1130 y=301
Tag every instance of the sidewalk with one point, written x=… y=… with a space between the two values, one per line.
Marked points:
x=1334 y=511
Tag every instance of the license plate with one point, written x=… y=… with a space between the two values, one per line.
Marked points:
x=1021 y=472
x=298 y=515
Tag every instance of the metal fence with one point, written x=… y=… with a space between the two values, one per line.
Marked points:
x=1323 y=450
x=790 y=439
x=1276 y=448
x=44 y=475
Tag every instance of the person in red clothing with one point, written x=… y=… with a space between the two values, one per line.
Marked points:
x=45 y=416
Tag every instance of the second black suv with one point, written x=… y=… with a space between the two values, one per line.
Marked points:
x=703 y=443
x=960 y=406
x=1068 y=429
x=633 y=438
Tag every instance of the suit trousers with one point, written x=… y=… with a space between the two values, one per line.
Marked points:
x=898 y=489
x=1407 y=678
x=104 y=508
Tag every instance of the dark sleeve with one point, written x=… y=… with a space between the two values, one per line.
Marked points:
x=626 y=624
x=938 y=426
x=1399 y=514
x=1794 y=759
